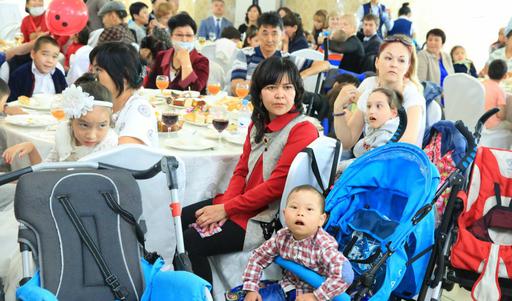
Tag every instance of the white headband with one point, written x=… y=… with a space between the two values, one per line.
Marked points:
x=77 y=103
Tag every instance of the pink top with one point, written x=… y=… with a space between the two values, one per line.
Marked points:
x=494 y=97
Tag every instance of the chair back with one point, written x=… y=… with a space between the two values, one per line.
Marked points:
x=208 y=51
x=310 y=81
x=434 y=113
x=301 y=172
x=464 y=99
x=160 y=235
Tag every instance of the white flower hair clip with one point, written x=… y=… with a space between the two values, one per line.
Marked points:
x=77 y=103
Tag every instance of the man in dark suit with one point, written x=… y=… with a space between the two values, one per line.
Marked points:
x=216 y=23
x=369 y=37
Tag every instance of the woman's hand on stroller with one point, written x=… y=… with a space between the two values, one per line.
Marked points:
x=211 y=214
x=306 y=297
x=21 y=150
x=253 y=296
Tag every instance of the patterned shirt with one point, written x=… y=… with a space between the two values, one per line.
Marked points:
x=137 y=119
x=248 y=59
x=318 y=253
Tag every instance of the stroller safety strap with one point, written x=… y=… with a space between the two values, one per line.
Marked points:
x=316 y=171
x=111 y=280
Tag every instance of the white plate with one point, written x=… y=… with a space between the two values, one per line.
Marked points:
x=196 y=123
x=210 y=133
x=157 y=100
x=30 y=120
x=235 y=139
x=36 y=105
x=190 y=144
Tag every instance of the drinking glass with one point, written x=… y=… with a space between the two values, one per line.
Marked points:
x=18 y=38
x=201 y=40
x=242 y=90
x=162 y=82
x=212 y=36
x=57 y=111
x=220 y=119
x=213 y=88
x=170 y=118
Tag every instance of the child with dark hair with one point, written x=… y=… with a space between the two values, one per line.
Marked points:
x=139 y=12
x=381 y=122
x=495 y=96
x=340 y=81
x=79 y=40
x=461 y=64
x=40 y=76
x=304 y=241
x=251 y=37
x=89 y=109
x=231 y=33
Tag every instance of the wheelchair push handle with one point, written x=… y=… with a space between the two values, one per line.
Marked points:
x=470 y=148
x=482 y=120
x=402 y=125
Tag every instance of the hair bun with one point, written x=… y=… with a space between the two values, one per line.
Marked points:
x=405 y=4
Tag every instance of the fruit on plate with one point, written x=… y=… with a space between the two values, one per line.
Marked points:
x=24 y=100
x=199 y=113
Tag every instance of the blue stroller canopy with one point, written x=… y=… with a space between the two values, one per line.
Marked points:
x=389 y=178
x=372 y=209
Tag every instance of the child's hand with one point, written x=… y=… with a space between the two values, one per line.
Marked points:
x=254 y=296
x=306 y=297
x=348 y=95
x=21 y=150
x=14 y=111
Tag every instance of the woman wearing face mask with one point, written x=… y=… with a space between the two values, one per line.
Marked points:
x=34 y=24
x=184 y=66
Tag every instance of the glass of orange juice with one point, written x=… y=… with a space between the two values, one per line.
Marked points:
x=57 y=111
x=162 y=82
x=242 y=90
x=213 y=88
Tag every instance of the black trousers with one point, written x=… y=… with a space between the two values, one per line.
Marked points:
x=230 y=239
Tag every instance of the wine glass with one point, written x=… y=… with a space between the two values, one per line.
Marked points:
x=162 y=82
x=242 y=90
x=170 y=118
x=212 y=36
x=213 y=88
x=220 y=119
x=201 y=40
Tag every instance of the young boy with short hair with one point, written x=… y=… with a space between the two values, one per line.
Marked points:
x=41 y=75
x=139 y=12
x=305 y=242
x=495 y=96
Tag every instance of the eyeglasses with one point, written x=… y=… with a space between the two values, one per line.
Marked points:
x=399 y=38
x=181 y=36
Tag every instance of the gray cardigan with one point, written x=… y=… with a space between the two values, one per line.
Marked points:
x=428 y=66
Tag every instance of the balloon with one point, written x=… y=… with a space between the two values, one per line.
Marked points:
x=66 y=17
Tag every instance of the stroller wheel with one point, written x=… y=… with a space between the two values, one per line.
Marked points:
x=448 y=285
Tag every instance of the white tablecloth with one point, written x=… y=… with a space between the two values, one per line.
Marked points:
x=208 y=171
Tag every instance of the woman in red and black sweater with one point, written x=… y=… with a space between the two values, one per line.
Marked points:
x=277 y=133
x=185 y=67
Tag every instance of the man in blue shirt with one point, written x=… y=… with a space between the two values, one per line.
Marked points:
x=270 y=31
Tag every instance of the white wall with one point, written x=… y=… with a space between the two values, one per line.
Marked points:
x=472 y=24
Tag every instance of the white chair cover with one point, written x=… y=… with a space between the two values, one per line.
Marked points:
x=300 y=172
x=160 y=235
x=227 y=269
x=216 y=74
x=209 y=52
x=78 y=64
x=434 y=113
x=464 y=99
x=310 y=81
x=11 y=14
